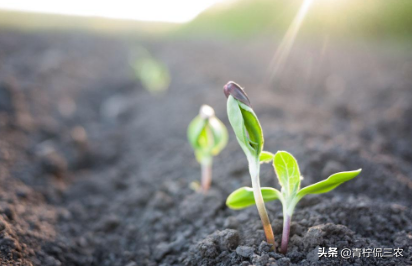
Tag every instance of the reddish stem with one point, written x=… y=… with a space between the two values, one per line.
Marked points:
x=206 y=176
x=285 y=234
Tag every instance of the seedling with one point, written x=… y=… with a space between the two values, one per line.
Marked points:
x=250 y=137
x=208 y=136
x=287 y=171
x=249 y=134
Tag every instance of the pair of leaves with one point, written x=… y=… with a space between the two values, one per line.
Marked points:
x=246 y=127
x=250 y=137
x=287 y=170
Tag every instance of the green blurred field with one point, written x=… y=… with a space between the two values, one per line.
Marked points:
x=335 y=18
x=369 y=19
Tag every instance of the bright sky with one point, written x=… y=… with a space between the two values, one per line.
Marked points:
x=150 y=10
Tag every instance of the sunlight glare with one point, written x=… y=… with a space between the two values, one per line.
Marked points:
x=176 y=11
x=286 y=44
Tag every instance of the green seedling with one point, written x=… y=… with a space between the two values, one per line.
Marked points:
x=250 y=137
x=249 y=134
x=152 y=73
x=287 y=171
x=208 y=137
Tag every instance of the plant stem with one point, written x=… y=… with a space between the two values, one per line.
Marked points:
x=206 y=175
x=286 y=230
x=260 y=204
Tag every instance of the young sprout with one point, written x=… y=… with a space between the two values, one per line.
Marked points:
x=287 y=171
x=249 y=134
x=208 y=136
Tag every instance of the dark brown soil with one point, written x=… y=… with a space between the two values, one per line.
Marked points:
x=94 y=170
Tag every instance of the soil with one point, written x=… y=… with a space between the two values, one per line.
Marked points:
x=95 y=170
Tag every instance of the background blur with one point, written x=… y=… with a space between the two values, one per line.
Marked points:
x=96 y=97
x=283 y=24
x=379 y=20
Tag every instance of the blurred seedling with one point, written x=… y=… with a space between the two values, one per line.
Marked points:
x=249 y=135
x=152 y=73
x=287 y=171
x=208 y=137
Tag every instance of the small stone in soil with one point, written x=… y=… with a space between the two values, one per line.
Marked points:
x=207 y=248
x=313 y=255
x=264 y=247
x=260 y=260
x=229 y=239
x=313 y=237
x=244 y=251
x=275 y=255
x=284 y=262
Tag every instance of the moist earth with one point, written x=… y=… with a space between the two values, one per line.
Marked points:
x=96 y=170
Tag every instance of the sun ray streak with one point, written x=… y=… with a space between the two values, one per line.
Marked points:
x=286 y=44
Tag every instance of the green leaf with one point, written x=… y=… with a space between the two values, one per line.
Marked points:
x=246 y=127
x=220 y=135
x=253 y=128
x=243 y=197
x=195 y=130
x=328 y=184
x=266 y=157
x=287 y=171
